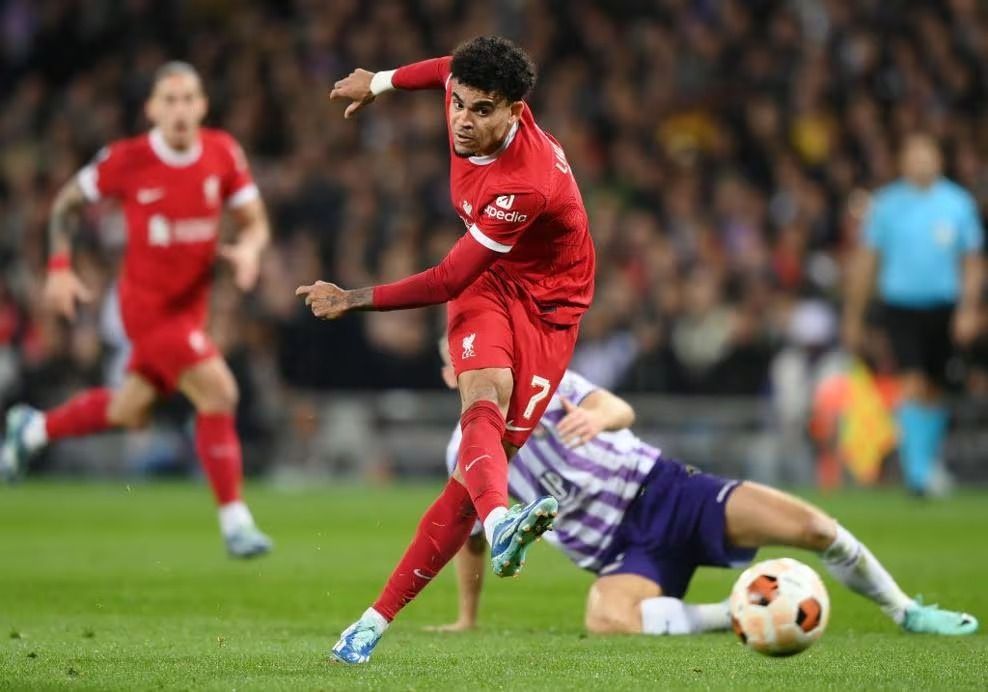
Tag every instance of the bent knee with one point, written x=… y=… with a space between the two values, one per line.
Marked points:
x=817 y=531
x=626 y=620
x=493 y=384
x=222 y=397
x=481 y=391
x=486 y=392
x=132 y=418
x=224 y=400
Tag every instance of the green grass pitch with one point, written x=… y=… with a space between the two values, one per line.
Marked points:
x=112 y=586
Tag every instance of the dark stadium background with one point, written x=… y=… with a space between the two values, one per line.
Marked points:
x=725 y=150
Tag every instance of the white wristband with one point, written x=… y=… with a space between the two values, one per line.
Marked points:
x=381 y=82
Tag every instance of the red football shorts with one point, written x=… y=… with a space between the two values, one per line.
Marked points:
x=488 y=329
x=163 y=353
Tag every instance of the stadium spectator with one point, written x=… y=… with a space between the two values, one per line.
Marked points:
x=731 y=142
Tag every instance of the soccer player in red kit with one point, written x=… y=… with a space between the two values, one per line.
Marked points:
x=517 y=283
x=173 y=184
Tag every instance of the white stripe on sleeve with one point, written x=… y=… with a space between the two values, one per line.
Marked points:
x=87 y=179
x=488 y=243
x=248 y=193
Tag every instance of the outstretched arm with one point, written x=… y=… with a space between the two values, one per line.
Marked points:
x=361 y=86
x=63 y=289
x=465 y=262
x=489 y=238
x=599 y=411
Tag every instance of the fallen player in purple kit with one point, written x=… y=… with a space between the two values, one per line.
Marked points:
x=643 y=523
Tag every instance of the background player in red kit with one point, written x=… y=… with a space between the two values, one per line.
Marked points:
x=517 y=283
x=173 y=184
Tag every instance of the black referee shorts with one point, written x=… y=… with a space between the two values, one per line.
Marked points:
x=921 y=338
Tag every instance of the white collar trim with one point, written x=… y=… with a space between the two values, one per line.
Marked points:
x=491 y=158
x=174 y=157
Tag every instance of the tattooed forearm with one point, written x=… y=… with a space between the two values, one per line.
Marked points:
x=360 y=298
x=64 y=218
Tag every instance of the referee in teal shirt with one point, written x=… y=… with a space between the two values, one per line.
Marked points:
x=923 y=237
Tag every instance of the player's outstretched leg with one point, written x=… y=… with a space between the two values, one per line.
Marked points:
x=30 y=430
x=441 y=532
x=211 y=388
x=757 y=515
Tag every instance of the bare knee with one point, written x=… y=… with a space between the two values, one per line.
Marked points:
x=130 y=417
x=817 y=531
x=491 y=384
x=211 y=387
x=623 y=619
x=613 y=610
x=130 y=406
x=917 y=387
x=223 y=399
x=480 y=391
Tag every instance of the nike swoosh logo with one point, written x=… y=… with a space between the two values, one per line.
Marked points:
x=514 y=428
x=150 y=195
x=470 y=465
x=421 y=575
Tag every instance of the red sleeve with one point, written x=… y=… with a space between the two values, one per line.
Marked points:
x=505 y=217
x=428 y=74
x=238 y=184
x=106 y=174
x=465 y=262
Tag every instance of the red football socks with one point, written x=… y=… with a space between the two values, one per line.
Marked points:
x=482 y=460
x=219 y=452
x=442 y=531
x=83 y=414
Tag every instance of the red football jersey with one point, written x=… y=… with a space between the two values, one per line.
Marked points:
x=172 y=201
x=523 y=202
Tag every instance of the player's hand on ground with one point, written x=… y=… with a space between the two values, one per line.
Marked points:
x=63 y=291
x=458 y=626
x=245 y=259
x=356 y=87
x=579 y=425
x=966 y=325
x=327 y=301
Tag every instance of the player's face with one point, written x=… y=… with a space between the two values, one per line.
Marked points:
x=479 y=121
x=921 y=160
x=177 y=107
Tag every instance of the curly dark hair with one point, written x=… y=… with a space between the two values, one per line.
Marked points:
x=495 y=65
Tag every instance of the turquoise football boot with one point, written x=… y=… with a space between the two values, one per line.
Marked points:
x=247 y=541
x=357 y=642
x=930 y=619
x=516 y=532
x=14 y=453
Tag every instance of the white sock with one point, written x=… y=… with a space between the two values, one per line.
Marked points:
x=491 y=521
x=233 y=515
x=852 y=564
x=35 y=433
x=664 y=615
x=379 y=622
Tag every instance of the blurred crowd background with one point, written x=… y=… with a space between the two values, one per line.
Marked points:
x=726 y=150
